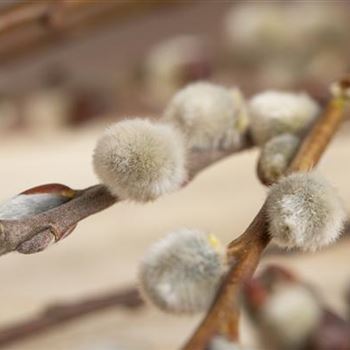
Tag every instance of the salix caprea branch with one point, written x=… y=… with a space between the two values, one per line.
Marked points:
x=245 y=251
x=140 y=160
x=35 y=233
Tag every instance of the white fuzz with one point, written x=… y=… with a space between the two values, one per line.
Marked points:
x=274 y=112
x=208 y=114
x=337 y=90
x=140 y=160
x=243 y=120
x=251 y=28
x=290 y=314
x=221 y=343
x=304 y=212
x=181 y=272
x=24 y=206
x=277 y=29
x=168 y=62
x=276 y=155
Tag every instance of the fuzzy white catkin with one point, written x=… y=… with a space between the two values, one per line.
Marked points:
x=305 y=212
x=255 y=29
x=277 y=29
x=290 y=314
x=140 y=160
x=23 y=206
x=221 y=343
x=181 y=272
x=209 y=115
x=275 y=112
x=276 y=155
x=337 y=90
x=165 y=66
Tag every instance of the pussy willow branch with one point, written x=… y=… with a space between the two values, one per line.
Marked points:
x=49 y=13
x=87 y=202
x=30 y=25
x=40 y=12
x=245 y=252
x=55 y=221
x=56 y=314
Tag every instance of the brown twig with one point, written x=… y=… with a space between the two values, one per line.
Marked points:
x=21 y=14
x=35 y=24
x=57 y=221
x=43 y=12
x=56 y=314
x=316 y=142
x=245 y=252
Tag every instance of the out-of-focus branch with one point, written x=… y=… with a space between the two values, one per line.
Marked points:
x=42 y=12
x=245 y=252
x=56 y=314
x=58 y=221
x=35 y=24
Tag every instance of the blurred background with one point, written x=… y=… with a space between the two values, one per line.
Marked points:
x=70 y=68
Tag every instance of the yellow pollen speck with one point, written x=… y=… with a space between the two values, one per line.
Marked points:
x=213 y=241
x=68 y=193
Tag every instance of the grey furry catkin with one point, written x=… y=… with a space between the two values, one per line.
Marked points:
x=221 y=343
x=210 y=116
x=289 y=315
x=181 y=272
x=140 y=160
x=276 y=112
x=276 y=155
x=305 y=212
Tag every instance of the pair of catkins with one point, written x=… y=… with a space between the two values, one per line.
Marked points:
x=140 y=160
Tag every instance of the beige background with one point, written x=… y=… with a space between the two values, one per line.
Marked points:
x=104 y=251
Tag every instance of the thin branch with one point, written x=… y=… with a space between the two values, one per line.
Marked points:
x=30 y=25
x=245 y=252
x=56 y=314
x=60 y=220
x=316 y=142
x=47 y=12
x=200 y=160
x=40 y=12
x=55 y=221
x=125 y=298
